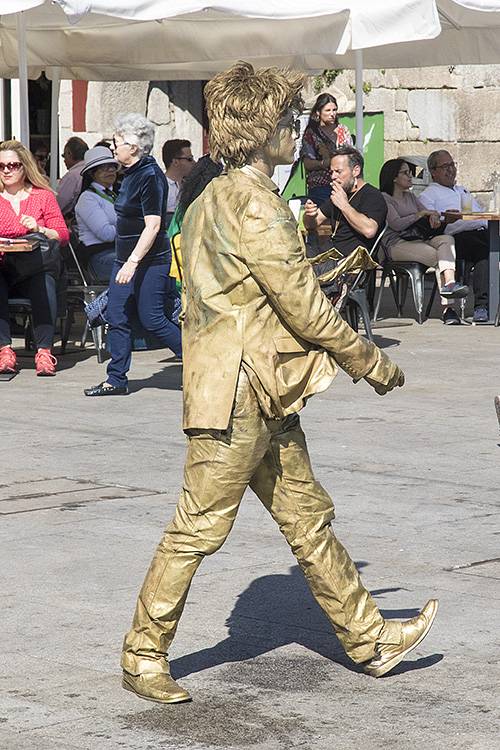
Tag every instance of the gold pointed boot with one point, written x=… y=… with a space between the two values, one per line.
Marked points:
x=159 y=687
x=413 y=631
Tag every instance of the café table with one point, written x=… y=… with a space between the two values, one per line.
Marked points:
x=493 y=219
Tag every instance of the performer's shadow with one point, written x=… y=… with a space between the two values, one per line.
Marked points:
x=273 y=611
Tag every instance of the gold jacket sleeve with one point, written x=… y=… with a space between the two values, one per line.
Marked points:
x=276 y=257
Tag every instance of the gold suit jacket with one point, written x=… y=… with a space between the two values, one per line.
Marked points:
x=250 y=299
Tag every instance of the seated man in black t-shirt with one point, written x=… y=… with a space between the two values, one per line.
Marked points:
x=356 y=211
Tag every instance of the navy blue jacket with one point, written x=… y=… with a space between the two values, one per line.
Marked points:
x=143 y=192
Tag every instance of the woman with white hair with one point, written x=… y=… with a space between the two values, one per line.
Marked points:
x=140 y=281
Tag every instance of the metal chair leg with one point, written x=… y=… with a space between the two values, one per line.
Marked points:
x=378 y=299
x=64 y=323
x=402 y=288
x=358 y=300
x=394 y=289
x=97 y=337
x=418 y=293
x=431 y=300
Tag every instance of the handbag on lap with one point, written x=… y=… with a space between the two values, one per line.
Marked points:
x=421 y=230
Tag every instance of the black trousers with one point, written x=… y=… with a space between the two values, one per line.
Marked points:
x=41 y=291
x=473 y=252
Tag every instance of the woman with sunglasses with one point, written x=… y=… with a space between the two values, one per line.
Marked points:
x=438 y=251
x=28 y=205
x=95 y=212
x=140 y=281
x=322 y=136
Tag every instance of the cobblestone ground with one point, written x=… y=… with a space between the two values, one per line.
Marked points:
x=86 y=486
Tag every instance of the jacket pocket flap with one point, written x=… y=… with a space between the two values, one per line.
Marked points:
x=291 y=345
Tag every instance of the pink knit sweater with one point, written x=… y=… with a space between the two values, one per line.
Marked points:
x=42 y=205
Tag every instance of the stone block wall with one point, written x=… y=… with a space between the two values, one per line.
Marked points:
x=175 y=107
x=425 y=109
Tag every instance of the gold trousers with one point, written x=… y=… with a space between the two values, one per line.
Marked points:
x=271 y=457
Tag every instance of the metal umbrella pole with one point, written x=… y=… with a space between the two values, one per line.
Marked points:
x=24 y=136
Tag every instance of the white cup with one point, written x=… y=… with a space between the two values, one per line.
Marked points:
x=294 y=205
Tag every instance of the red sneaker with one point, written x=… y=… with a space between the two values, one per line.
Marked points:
x=8 y=360
x=45 y=362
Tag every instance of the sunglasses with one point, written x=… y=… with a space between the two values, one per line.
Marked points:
x=12 y=166
x=294 y=126
x=41 y=157
x=186 y=158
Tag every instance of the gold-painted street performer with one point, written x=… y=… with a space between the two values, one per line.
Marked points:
x=259 y=338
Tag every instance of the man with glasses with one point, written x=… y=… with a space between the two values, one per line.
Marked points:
x=259 y=338
x=179 y=161
x=471 y=237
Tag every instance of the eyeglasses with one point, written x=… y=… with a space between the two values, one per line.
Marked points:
x=448 y=165
x=407 y=172
x=41 y=157
x=186 y=158
x=12 y=166
x=117 y=145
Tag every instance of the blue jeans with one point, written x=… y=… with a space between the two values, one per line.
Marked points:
x=145 y=295
x=101 y=264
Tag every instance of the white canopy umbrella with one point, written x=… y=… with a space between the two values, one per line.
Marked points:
x=186 y=39
x=470 y=36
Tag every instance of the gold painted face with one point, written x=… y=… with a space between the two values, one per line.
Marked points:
x=281 y=149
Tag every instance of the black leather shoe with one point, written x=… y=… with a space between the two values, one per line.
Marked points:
x=104 y=389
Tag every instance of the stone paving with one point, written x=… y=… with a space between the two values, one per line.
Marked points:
x=86 y=486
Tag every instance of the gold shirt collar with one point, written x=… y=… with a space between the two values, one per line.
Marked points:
x=260 y=177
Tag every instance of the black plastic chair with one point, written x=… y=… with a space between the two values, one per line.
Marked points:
x=82 y=289
x=353 y=302
x=399 y=273
x=358 y=300
x=21 y=306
